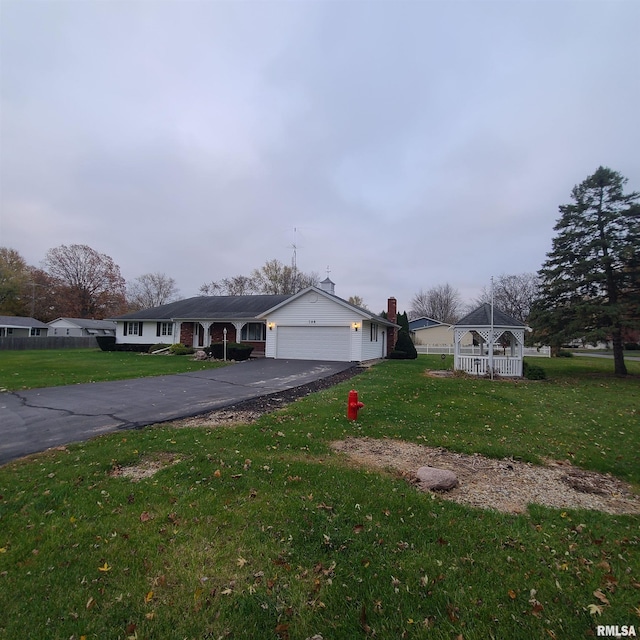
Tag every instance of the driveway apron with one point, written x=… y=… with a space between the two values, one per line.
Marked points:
x=37 y=419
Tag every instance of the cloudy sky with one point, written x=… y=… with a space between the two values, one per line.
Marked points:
x=409 y=144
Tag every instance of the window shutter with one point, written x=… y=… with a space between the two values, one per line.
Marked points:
x=157 y=329
x=140 y=328
x=124 y=331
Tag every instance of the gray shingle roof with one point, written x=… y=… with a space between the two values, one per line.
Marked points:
x=86 y=323
x=209 y=308
x=481 y=317
x=19 y=321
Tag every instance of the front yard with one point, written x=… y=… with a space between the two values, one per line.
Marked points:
x=267 y=530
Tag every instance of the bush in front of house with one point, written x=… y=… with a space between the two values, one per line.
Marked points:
x=235 y=351
x=106 y=343
x=180 y=350
x=405 y=345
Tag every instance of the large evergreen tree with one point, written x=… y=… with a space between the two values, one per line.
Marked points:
x=590 y=282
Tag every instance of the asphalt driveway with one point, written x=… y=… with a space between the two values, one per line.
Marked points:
x=35 y=420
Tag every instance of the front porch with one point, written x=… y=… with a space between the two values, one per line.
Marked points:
x=203 y=333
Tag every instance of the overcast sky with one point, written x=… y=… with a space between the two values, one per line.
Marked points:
x=410 y=144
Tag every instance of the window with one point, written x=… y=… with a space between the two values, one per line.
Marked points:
x=133 y=328
x=164 y=328
x=34 y=331
x=374 y=332
x=254 y=331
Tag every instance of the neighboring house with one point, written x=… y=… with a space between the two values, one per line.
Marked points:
x=19 y=327
x=313 y=324
x=78 y=327
x=427 y=331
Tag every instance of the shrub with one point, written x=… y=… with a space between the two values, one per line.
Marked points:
x=235 y=351
x=533 y=371
x=397 y=355
x=632 y=346
x=106 y=343
x=564 y=354
x=158 y=347
x=180 y=350
x=404 y=343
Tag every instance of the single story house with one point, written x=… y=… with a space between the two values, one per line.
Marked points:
x=427 y=331
x=81 y=327
x=20 y=327
x=313 y=324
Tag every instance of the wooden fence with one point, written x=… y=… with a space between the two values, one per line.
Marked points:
x=48 y=342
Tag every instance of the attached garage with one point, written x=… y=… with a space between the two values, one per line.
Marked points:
x=315 y=324
x=314 y=343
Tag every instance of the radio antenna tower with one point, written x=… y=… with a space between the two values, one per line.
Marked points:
x=294 y=261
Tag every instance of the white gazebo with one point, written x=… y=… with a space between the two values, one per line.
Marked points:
x=500 y=341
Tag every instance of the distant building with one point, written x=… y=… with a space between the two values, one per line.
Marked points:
x=20 y=327
x=81 y=327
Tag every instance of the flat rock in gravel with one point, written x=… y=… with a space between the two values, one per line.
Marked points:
x=436 y=479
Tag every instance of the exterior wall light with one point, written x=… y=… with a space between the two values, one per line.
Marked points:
x=271 y=325
x=356 y=325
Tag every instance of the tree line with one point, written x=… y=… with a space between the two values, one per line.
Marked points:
x=77 y=281
x=588 y=287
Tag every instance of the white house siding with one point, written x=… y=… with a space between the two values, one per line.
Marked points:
x=372 y=350
x=64 y=328
x=313 y=311
x=148 y=333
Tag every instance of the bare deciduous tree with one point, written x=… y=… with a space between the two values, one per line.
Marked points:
x=273 y=277
x=151 y=290
x=441 y=302
x=88 y=283
x=513 y=294
x=234 y=286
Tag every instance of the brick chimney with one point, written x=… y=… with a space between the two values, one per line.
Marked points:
x=392 y=316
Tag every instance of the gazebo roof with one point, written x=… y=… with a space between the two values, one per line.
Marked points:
x=481 y=317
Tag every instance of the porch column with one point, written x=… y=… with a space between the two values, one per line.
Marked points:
x=207 y=337
x=238 y=326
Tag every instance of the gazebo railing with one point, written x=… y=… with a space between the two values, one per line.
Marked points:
x=480 y=365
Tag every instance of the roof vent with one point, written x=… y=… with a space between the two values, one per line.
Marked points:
x=328 y=286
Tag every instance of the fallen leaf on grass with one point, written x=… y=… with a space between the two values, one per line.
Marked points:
x=104 y=568
x=148 y=597
x=241 y=562
x=90 y=603
x=512 y=594
x=145 y=516
x=595 y=610
x=598 y=594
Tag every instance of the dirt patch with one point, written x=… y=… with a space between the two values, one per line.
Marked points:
x=146 y=468
x=505 y=485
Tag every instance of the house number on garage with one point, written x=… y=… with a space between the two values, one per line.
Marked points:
x=312 y=321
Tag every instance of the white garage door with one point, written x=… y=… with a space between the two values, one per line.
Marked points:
x=314 y=343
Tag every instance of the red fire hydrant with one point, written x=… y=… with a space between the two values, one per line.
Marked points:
x=353 y=405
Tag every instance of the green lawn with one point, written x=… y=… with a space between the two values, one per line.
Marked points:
x=51 y=368
x=261 y=531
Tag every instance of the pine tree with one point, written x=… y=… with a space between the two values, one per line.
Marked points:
x=590 y=282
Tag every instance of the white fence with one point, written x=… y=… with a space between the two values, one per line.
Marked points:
x=426 y=349
x=474 y=365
